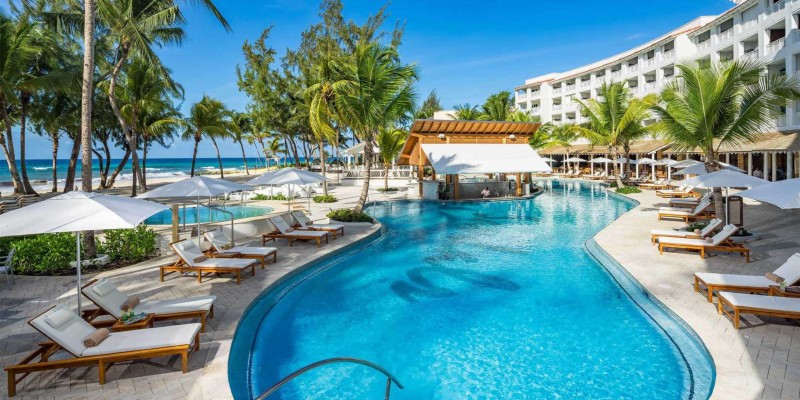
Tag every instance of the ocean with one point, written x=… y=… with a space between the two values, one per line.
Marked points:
x=40 y=172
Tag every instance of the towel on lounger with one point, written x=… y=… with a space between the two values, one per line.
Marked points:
x=95 y=338
x=773 y=277
x=130 y=303
x=200 y=259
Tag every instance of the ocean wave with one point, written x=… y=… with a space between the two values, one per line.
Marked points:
x=155 y=175
x=42 y=168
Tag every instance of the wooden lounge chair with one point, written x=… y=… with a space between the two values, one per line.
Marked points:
x=221 y=246
x=789 y=271
x=67 y=332
x=192 y=259
x=715 y=223
x=719 y=242
x=284 y=231
x=653 y=185
x=681 y=192
x=108 y=299
x=743 y=303
x=690 y=202
x=305 y=223
x=702 y=211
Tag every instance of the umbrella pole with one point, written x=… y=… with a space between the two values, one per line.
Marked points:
x=726 y=206
x=78 y=266
x=197 y=213
x=289 y=190
x=308 y=192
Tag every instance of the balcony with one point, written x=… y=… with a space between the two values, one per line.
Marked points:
x=586 y=83
x=535 y=93
x=650 y=61
x=649 y=87
x=571 y=88
x=668 y=54
x=723 y=36
x=751 y=54
x=557 y=107
x=747 y=25
x=558 y=90
x=616 y=74
x=776 y=7
x=703 y=45
x=534 y=109
x=633 y=68
x=781 y=120
x=776 y=46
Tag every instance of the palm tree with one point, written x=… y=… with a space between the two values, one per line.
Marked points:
x=429 y=107
x=497 y=107
x=51 y=116
x=376 y=91
x=613 y=117
x=390 y=142
x=466 y=112
x=522 y=116
x=206 y=119
x=722 y=104
x=241 y=128
x=275 y=148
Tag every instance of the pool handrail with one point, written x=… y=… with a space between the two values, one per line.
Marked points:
x=389 y=377
x=224 y=211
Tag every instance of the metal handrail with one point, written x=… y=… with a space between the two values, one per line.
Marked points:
x=222 y=210
x=389 y=377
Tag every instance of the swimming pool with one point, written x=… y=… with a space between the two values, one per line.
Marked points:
x=495 y=300
x=208 y=215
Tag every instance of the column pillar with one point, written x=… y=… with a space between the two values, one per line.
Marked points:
x=637 y=166
x=727 y=158
x=519 y=184
x=420 y=176
x=750 y=163
x=455 y=188
x=765 y=157
x=774 y=167
x=789 y=165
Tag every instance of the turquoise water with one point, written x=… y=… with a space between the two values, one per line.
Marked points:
x=484 y=300
x=208 y=215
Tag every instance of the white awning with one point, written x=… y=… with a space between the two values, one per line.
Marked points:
x=451 y=159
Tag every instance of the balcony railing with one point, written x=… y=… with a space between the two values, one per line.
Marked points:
x=570 y=87
x=535 y=93
x=668 y=54
x=616 y=74
x=750 y=53
x=781 y=121
x=556 y=107
x=558 y=90
x=586 y=83
x=776 y=7
x=723 y=36
x=746 y=25
x=649 y=86
x=797 y=118
x=650 y=61
x=633 y=67
x=776 y=46
x=704 y=44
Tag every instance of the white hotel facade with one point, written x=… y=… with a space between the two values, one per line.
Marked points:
x=766 y=30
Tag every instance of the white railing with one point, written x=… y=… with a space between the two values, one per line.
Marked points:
x=704 y=44
x=781 y=121
x=586 y=83
x=556 y=107
x=750 y=54
x=668 y=79
x=534 y=109
x=776 y=46
x=776 y=7
x=535 y=93
x=570 y=87
x=649 y=86
x=558 y=90
x=668 y=54
x=616 y=74
x=747 y=25
x=633 y=68
x=723 y=36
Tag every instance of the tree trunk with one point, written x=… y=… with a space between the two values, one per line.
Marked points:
x=7 y=143
x=55 y=163
x=119 y=168
x=362 y=200
x=712 y=165
x=385 y=176
x=219 y=158
x=322 y=164
x=144 y=163
x=130 y=135
x=87 y=94
x=69 y=183
x=23 y=122
x=615 y=155
x=244 y=157
x=197 y=139
x=627 y=164
x=101 y=162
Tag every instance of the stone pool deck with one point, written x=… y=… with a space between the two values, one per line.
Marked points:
x=161 y=377
x=762 y=359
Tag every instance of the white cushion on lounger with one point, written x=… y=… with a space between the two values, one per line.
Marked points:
x=713 y=224
x=58 y=318
x=111 y=301
x=220 y=240
x=282 y=226
x=758 y=281
x=224 y=263
x=773 y=303
x=103 y=287
x=717 y=239
x=70 y=334
x=145 y=339
x=198 y=303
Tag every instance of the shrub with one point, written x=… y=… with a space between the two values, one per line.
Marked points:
x=391 y=189
x=265 y=197
x=696 y=225
x=129 y=245
x=44 y=254
x=325 y=198
x=348 y=215
x=628 y=190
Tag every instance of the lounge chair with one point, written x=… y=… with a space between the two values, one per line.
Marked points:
x=107 y=297
x=68 y=331
x=591 y=176
x=221 y=247
x=661 y=184
x=699 y=212
x=305 y=223
x=192 y=259
x=690 y=202
x=743 y=303
x=6 y=268
x=715 y=223
x=681 y=192
x=789 y=271
x=284 y=231
x=719 y=242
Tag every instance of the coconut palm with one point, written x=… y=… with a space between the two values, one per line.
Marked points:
x=241 y=128
x=377 y=90
x=498 y=107
x=613 y=116
x=726 y=104
x=466 y=112
x=390 y=142
x=207 y=119
x=522 y=116
x=275 y=148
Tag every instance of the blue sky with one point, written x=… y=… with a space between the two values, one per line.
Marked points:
x=465 y=49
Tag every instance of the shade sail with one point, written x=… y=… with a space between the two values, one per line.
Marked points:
x=77 y=211
x=784 y=194
x=199 y=186
x=483 y=158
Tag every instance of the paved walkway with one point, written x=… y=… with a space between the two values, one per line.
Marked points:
x=760 y=361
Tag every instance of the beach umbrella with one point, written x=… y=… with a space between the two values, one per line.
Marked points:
x=648 y=161
x=724 y=179
x=700 y=169
x=602 y=160
x=289 y=176
x=75 y=212
x=575 y=160
x=670 y=164
x=783 y=194
x=196 y=187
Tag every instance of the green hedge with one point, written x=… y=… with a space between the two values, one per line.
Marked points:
x=129 y=245
x=265 y=197
x=391 y=189
x=628 y=190
x=325 y=198
x=348 y=215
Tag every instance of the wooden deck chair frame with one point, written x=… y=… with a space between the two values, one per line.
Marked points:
x=726 y=246
x=332 y=231
x=180 y=266
x=214 y=252
x=730 y=288
x=277 y=234
x=735 y=312
x=47 y=349
x=202 y=315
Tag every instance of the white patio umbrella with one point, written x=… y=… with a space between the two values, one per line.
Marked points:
x=700 y=169
x=685 y=163
x=602 y=160
x=669 y=163
x=75 y=212
x=651 y=162
x=724 y=179
x=783 y=194
x=196 y=187
x=289 y=176
x=549 y=161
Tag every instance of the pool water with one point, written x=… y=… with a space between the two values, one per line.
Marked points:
x=473 y=300
x=208 y=215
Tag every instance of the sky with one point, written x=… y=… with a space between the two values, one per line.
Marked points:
x=465 y=50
